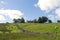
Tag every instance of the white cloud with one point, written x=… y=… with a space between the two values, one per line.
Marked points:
x=51 y=17
x=48 y=5
x=54 y=18
x=58 y=12
x=11 y=14
x=2 y=17
x=7 y=15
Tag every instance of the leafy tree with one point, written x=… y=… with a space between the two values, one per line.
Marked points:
x=58 y=20
x=19 y=20
x=39 y=20
x=42 y=19
x=15 y=20
x=34 y=21
x=22 y=20
x=29 y=21
x=49 y=21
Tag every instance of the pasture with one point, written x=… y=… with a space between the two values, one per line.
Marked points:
x=17 y=34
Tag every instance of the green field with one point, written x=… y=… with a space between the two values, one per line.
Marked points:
x=17 y=34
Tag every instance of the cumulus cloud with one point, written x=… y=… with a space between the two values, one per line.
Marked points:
x=2 y=17
x=48 y=5
x=57 y=11
x=52 y=17
x=7 y=15
x=12 y=14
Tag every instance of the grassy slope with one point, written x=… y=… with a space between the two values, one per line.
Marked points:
x=31 y=27
x=41 y=27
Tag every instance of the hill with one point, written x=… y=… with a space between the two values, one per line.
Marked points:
x=17 y=34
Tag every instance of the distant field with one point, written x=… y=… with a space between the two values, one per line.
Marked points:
x=16 y=34
x=41 y=27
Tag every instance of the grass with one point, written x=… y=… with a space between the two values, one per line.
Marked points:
x=16 y=34
x=22 y=36
x=40 y=27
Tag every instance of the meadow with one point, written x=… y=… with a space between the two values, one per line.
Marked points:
x=17 y=34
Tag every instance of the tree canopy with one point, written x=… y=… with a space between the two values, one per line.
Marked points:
x=19 y=20
x=42 y=19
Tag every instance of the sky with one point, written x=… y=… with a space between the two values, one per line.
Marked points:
x=29 y=9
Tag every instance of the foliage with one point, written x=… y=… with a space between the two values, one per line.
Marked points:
x=42 y=19
x=58 y=20
x=19 y=20
x=34 y=21
x=22 y=20
x=15 y=20
x=29 y=21
x=49 y=21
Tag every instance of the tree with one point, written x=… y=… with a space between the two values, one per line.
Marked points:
x=49 y=21
x=29 y=21
x=39 y=20
x=22 y=20
x=58 y=20
x=42 y=19
x=19 y=20
x=34 y=21
x=15 y=20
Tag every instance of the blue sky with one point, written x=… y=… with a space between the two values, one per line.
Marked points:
x=27 y=7
x=31 y=9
